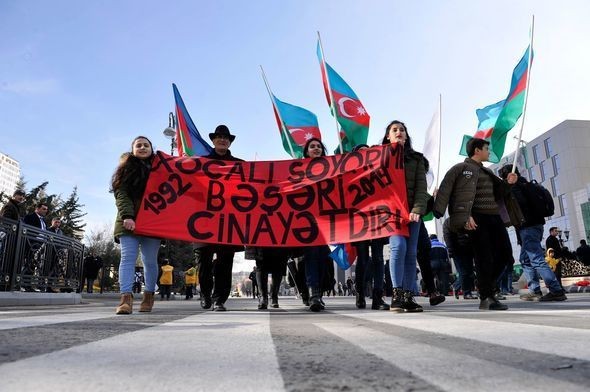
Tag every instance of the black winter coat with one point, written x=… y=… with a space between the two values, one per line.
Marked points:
x=11 y=210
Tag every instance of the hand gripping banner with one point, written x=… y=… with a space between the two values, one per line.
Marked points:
x=333 y=199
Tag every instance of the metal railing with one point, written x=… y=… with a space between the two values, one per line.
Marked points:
x=32 y=259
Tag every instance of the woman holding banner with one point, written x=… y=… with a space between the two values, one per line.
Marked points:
x=316 y=258
x=402 y=262
x=128 y=184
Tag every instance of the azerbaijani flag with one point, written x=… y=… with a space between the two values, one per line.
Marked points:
x=188 y=138
x=496 y=120
x=344 y=255
x=301 y=124
x=350 y=112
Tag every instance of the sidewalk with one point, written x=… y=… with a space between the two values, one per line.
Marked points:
x=19 y=298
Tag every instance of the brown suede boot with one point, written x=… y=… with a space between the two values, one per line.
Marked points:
x=126 y=305
x=147 y=302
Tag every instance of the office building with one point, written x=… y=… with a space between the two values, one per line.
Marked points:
x=559 y=159
x=9 y=174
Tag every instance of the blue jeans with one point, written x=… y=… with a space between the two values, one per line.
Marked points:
x=466 y=277
x=504 y=282
x=402 y=262
x=130 y=246
x=533 y=261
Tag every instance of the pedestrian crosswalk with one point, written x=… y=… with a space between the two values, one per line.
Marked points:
x=179 y=346
x=444 y=368
x=563 y=341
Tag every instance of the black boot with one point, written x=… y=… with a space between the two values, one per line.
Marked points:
x=361 y=303
x=305 y=297
x=205 y=301
x=378 y=303
x=315 y=304
x=396 y=300
x=408 y=303
x=274 y=289
x=262 y=280
x=435 y=298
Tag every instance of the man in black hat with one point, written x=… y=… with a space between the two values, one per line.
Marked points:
x=222 y=140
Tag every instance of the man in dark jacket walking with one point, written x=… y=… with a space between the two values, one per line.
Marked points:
x=476 y=196
x=252 y=278
x=222 y=139
x=530 y=235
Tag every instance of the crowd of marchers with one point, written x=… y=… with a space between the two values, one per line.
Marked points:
x=480 y=206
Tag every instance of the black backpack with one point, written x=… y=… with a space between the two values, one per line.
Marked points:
x=539 y=199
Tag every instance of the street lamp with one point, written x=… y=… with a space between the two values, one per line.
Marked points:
x=170 y=131
x=567 y=236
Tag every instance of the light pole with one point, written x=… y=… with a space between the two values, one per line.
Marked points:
x=566 y=232
x=170 y=132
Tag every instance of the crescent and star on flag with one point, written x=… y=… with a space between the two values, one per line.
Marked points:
x=356 y=108
x=301 y=136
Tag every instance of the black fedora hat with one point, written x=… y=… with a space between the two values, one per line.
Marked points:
x=222 y=130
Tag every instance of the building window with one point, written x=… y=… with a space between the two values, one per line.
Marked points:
x=536 y=154
x=555 y=186
x=556 y=164
x=543 y=170
x=548 y=147
x=563 y=205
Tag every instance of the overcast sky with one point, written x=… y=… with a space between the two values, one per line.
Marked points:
x=79 y=80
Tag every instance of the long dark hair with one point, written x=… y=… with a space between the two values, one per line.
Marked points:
x=313 y=139
x=407 y=145
x=132 y=172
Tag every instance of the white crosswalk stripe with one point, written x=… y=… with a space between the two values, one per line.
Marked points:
x=215 y=350
x=48 y=319
x=441 y=367
x=562 y=341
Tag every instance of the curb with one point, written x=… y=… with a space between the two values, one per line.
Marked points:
x=17 y=298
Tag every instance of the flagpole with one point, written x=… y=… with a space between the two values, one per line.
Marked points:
x=283 y=128
x=332 y=105
x=439 y=140
x=179 y=143
x=526 y=94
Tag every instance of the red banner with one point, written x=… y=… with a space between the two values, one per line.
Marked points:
x=334 y=199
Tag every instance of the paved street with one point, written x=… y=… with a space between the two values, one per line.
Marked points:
x=451 y=347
